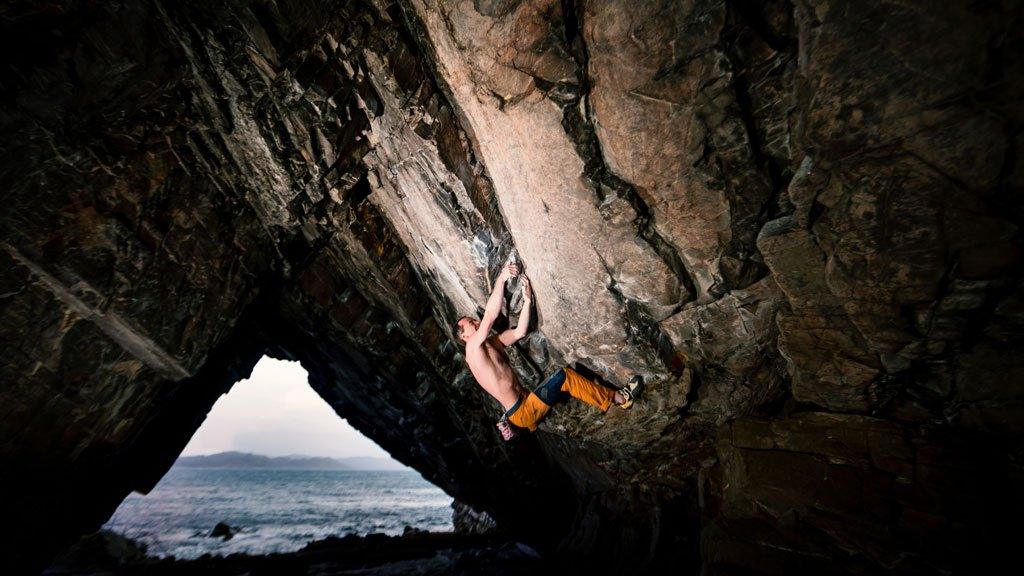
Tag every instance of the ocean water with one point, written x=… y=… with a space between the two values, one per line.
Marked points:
x=276 y=510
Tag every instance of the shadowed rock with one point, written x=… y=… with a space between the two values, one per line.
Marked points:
x=223 y=531
x=800 y=221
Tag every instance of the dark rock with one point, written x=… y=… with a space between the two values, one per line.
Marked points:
x=468 y=521
x=800 y=221
x=95 y=552
x=223 y=531
x=421 y=553
x=885 y=494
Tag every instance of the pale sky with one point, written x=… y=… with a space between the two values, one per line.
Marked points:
x=276 y=413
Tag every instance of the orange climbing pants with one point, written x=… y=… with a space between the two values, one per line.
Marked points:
x=529 y=411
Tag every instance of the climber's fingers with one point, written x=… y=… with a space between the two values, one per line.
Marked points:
x=527 y=290
x=513 y=269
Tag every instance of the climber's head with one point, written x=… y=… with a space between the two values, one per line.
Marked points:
x=465 y=327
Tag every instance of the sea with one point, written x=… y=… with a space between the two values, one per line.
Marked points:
x=276 y=510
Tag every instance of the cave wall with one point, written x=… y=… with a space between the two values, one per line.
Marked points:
x=195 y=192
x=799 y=220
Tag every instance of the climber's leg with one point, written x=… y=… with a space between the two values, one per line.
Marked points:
x=587 y=390
x=528 y=412
x=531 y=409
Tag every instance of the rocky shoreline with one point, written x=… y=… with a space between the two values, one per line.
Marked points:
x=415 y=552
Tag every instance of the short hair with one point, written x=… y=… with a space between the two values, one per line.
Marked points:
x=458 y=328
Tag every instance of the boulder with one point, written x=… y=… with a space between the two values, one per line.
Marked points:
x=223 y=531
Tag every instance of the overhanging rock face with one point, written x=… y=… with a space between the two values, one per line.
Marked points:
x=799 y=221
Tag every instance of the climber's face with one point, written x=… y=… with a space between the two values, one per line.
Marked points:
x=466 y=326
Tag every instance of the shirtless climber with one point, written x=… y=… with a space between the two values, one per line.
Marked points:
x=486 y=358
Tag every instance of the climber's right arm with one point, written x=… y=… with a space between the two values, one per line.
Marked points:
x=493 y=307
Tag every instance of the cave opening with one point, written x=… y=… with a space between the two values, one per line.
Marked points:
x=272 y=468
x=800 y=221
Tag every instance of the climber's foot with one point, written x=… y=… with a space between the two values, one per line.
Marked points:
x=631 y=391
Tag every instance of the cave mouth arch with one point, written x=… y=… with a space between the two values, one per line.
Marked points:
x=274 y=462
x=192 y=185
x=274 y=412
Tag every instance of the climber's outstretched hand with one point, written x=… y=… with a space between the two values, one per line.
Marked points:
x=513 y=335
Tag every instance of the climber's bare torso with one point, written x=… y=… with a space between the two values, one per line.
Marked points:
x=485 y=354
x=489 y=365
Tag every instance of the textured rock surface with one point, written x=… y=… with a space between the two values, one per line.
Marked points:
x=800 y=221
x=469 y=521
x=413 y=553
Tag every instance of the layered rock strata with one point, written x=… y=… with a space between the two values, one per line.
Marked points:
x=799 y=221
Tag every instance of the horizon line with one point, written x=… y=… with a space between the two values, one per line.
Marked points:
x=388 y=457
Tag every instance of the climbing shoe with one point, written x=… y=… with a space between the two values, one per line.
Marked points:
x=631 y=391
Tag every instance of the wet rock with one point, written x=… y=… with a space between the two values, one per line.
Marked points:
x=469 y=521
x=223 y=531
x=421 y=553
x=410 y=531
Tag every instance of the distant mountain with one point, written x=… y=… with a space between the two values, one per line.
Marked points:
x=371 y=463
x=246 y=460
